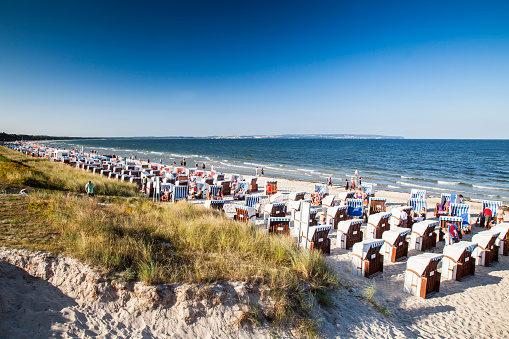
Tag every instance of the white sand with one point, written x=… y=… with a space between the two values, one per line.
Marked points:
x=63 y=298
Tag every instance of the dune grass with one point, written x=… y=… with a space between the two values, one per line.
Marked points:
x=137 y=239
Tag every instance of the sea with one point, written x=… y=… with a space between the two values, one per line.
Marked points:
x=478 y=169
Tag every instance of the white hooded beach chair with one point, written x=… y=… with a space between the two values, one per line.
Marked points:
x=276 y=210
x=462 y=211
x=378 y=223
x=395 y=246
x=214 y=191
x=245 y=213
x=423 y=235
x=328 y=201
x=486 y=251
x=503 y=239
x=458 y=221
x=418 y=204
x=493 y=206
x=318 y=238
x=253 y=201
x=337 y=214
x=421 y=275
x=445 y=198
x=349 y=233
x=179 y=193
x=279 y=226
x=416 y=193
x=343 y=197
x=296 y=196
x=322 y=189
x=458 y=261
x=376 y=205
x=355 y=208
x=215 y=204
x=366 y=258
x=368 y=189
x=396 y=212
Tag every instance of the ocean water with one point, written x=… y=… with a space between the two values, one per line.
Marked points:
x=478 y=169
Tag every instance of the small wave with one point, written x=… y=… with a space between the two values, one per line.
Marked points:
x=156 y=152
x=411 y=178
x=391 y=186
x=490 y=188
x=252 y=164
x=448 y=182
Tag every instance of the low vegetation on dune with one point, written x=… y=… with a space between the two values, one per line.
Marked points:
x=132 y=238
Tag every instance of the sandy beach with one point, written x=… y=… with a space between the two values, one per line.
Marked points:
x=46 y=296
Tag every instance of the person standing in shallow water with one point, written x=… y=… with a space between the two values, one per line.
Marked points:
x=346 y=184
x=262 y=171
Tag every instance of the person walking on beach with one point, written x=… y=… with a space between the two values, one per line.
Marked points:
x=346 y=184
x=356 y=173
x=89 y=188
x=360 y=180
x=184 y=161
x=203 y=166
x=329 y=180
x=352 y=184
x=256 y=171
x=262 y=172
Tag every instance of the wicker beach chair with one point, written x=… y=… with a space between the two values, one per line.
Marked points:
x=396 y=213
x=342 y=197
x=416 y=193
x=503 y=239
x=458 y=261
x=279 y=226
x=446 y=199
x=179 y=193
x=422 y=276
x=378 y=223
x=462 y=211
x=486 y=251
x=215 y=204
x=337 y=214
x=296 y=196
x=395 y=246
x=366 y=258
x=214 y=191
x=417 y=204
x=226 y=187
x=457 y=221
x=368 y=189
x=276 y=210
x=328 y=201
x=245 y=213
x=252 y=201
x=493 y=206
x=349 y=233
x=322 y=189
x=273 y=186
x=253 y=186
x=355 y=208
x=318 y=238
x=376 y=205
x=423 y=235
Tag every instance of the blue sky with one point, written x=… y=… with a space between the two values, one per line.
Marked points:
x=197 y=68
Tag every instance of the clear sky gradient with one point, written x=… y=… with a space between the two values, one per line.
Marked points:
x=197 y=68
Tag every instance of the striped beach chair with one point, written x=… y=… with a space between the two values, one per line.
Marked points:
x=355 y=208
x=458 y=261
x=417 y=205
x=486 y=251
x=376 y=205
x=368 y=189
x=214 y=191
x=349 y=233
x=422 y=276
x=395 y=246
x=215 y=204
x=179 y=193
x=244 y=213
x=366 y=258
x=312 y=218
x=276 y=210
x=423 y=235
x=396 y=213
x=378 y=223
x=457 y=221
x=416 y=193
x=337 y=214
x=322 y=189
x=444 y=199
x=252 y=201
x=244 y=185
x=279 y=226
x=493 y=206
x=344 y=196
x=318 y=238
x=462 y=211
